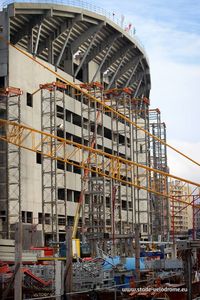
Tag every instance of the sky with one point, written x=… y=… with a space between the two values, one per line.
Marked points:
x=170 y=33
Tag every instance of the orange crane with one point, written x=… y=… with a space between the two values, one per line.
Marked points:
x=30 y=139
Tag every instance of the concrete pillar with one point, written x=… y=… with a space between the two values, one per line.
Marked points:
x=68 y=62
x=30 y=41
x=4 y=46
x=59 y=283
x=174 y=251
x=85 y=72
x=50 y=52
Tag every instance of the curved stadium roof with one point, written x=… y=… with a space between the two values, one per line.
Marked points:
x=90 y=35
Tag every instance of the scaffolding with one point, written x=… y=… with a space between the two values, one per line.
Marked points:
x=141 y=155
x=10 y=166
x=95 y=186
x=111 y=205
x=53 y=121
x=158 y=155
x=121 y=199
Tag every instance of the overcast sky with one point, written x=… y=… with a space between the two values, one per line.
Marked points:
x=170 y=32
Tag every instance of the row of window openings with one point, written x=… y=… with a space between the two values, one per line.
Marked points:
x=61 y=165
x=70 y=167
x=68 y=114
x=74 y=196
x=27 y=217
x=76 y=120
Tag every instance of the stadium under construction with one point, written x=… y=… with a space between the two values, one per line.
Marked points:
x=84 y=177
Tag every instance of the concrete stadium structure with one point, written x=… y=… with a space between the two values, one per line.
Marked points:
x=83 y=47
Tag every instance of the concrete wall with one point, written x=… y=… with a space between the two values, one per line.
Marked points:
x=28 y=75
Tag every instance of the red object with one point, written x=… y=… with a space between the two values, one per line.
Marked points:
x=91 y=85
x=10 y=91
x=87 y=259
x=38 y=279
x=47 y=250
x=5 y=269
x=52 y=85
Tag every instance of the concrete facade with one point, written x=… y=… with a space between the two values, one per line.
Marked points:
x=18 y=70
x=182 y=220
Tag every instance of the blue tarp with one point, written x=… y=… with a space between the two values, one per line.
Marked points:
x=129 y=263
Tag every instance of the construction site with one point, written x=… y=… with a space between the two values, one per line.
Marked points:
x=88 y=206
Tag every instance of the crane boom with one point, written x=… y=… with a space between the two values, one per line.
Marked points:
x=31 y=139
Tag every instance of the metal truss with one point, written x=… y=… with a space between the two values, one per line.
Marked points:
x=115 y=168
x=95 y=186
x=53 y=121
x=10 y=168
x=121 y=201
x=31 y=139
x=140 y=109
x=159 y=205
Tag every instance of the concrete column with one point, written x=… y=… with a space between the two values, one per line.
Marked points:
x=30 y=41
x=68 y=62
x=85 y=72
x=4 y=46
x=59 y=279
x=174 y=251
x=50 y=52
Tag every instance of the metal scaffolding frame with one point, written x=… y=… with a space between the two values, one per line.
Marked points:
x=10 y=167
x=158 y=154
x=53 y=117
x=117 y=169
x=141 y=155
x=121 y=200
x=94 y=186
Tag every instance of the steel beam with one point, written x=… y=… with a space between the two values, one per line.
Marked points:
x=86 y=53
x=54 y=35
x=63 y=48
x=129 y=65
x=132 y=74
x=85 y=36
x=90 y=20
x=115 y=73
x=115 y=57
x=138 y=87
x=144 y=89
x=27 y=28
x=37 y=40
x=102 y=62
x=141 y=91
x=102 y=46
x=136 y=77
